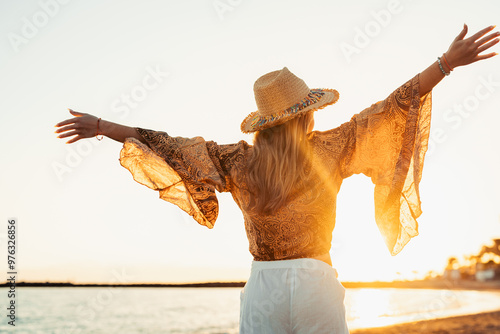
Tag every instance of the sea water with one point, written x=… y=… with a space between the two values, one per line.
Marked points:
x=108 y=310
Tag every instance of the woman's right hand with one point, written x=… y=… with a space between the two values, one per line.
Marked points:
x=467 y=51
x=82 y=126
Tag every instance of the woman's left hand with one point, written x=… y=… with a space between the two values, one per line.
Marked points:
x=467 y=51
x=82 y=126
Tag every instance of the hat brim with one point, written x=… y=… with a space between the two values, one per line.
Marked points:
x=255 y=122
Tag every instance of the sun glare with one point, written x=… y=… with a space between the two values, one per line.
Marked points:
x=368 y=308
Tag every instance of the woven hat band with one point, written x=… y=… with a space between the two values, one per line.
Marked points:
x=281 y=96
x=278 y=90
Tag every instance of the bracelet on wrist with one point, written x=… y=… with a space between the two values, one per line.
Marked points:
x=441 y=67
x=446 y=62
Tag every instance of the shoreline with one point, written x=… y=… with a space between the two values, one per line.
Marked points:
x=420 y=284
x=133 y=285
x=479 y=323
x=428 y=284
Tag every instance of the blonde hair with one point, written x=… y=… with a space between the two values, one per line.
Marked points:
x=277 y=166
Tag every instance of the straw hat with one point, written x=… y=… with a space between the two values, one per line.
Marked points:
x=281 y=96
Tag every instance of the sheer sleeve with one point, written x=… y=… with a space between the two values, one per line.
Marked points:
x=387 y=142
x=185 y=171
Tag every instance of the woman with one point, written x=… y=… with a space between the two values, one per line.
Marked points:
x=287 y=182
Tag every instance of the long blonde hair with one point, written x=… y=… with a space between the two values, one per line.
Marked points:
x=277 y=166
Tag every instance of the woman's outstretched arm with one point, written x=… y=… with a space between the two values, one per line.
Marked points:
x=85 y=126
x=460 y=53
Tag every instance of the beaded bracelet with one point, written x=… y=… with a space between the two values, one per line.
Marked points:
x=441 y=67
x=97 y=132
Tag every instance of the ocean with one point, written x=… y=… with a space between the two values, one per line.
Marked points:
x=71 y=310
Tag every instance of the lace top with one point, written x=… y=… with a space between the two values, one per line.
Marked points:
x=386 y=142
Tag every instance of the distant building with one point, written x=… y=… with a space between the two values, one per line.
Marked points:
x=452 y=274
x=485 y=266
x=487 y=271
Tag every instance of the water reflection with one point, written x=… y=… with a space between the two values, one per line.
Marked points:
x=383 y=307
x=368 y=307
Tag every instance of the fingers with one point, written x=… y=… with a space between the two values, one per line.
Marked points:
x=487 y=38
x=75 y=113
x=66 y=122
x=481 y=33
x=67 y=134
x=487 y=46
x=71 y=120
x=66 y=128
x=77 y=138
x=462 y=33
x=486 y=56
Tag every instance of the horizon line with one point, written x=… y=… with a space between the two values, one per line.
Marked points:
x=430 y=283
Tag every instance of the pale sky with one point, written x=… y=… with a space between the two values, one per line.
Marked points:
x=188 y=68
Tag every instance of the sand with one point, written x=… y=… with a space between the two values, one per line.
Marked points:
x=470 y=324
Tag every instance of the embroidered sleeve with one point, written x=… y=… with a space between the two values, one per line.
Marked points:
x=185 y=171
x=387 y=142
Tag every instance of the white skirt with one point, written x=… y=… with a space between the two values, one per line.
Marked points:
x=292 y=296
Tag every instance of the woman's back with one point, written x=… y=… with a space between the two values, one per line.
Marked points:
x=303 y=225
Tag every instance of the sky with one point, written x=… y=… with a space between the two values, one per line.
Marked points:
x=188 y=68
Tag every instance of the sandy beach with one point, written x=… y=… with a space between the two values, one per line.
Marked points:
x=470 y=324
